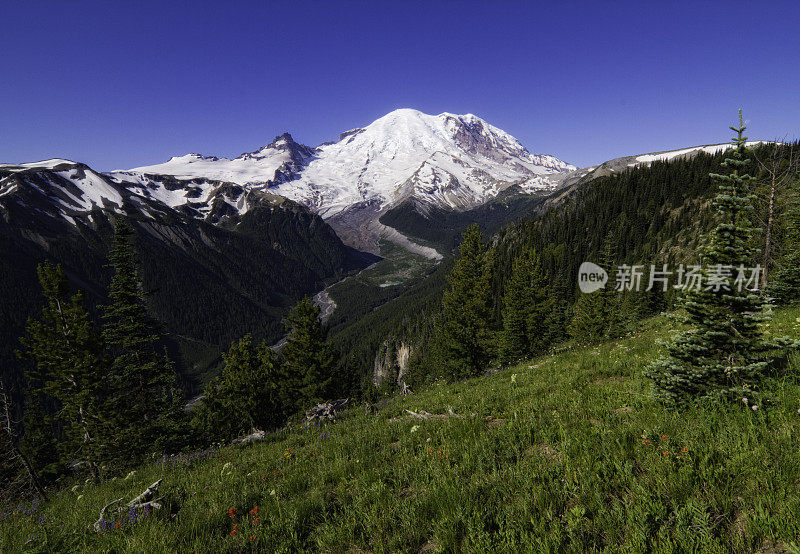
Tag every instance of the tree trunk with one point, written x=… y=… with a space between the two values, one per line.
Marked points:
x=87 y=440
x=768 y=235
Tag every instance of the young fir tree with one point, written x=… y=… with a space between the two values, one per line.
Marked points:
x=69 y=368
x=526 y=306
x=724 y=352
x=142 y=380
x=560 y=313
x=246 y=394
x=310 y=362
x=465 y=340
x=596 y=315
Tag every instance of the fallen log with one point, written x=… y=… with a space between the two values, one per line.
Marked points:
x=423 y=415
x=256 y=435
x=143 y=501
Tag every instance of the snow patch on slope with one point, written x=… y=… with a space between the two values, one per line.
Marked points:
x=712 y=149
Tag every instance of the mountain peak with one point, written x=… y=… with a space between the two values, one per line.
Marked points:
x=281 y=140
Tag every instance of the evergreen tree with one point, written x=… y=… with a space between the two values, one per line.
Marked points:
x=39 y=442
x=9 y=447
x=465 y=341
x=596 y=315
x=310 y=360
x=785 y=283
x=69 y=368
x=526 y=307
x=142 y=380
x=246 y=394
x=559 y=315
x=724 y=352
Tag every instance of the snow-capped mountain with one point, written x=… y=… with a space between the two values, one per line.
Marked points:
x=63 y=189
x=279 y=161
x=447 y=160
x=452 y=161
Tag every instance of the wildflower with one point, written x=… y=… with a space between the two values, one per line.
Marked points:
x=684 y=449
x=232 y=512
x=234 y=531
x=755 y=407
x=257 y=520
x=664 y=437
x=254 y=511
x=744 y=401
x=252 y=537
x=415 y=428
x=514 y=378
x=666 y=452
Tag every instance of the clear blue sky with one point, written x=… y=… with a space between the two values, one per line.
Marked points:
x=122 y=84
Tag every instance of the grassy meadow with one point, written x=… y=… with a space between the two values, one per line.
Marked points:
x=565 y=453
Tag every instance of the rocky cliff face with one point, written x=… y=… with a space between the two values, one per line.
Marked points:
x=391 y=363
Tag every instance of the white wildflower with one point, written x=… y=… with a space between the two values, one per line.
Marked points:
x=755 y=407
x=744 y=401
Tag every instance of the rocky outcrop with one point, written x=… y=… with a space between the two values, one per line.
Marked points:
x=391 y=363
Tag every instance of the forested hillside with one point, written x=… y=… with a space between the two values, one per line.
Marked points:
x=208 y=284
x=646 y=214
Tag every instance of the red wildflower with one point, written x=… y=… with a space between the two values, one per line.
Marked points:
x=252 y=537
x=254 y=511
x=234 y=531
x=232 y=512
x=257 y=520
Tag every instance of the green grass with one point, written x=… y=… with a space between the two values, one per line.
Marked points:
x=572 y=454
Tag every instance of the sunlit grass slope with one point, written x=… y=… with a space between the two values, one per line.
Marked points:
x=565 y=453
